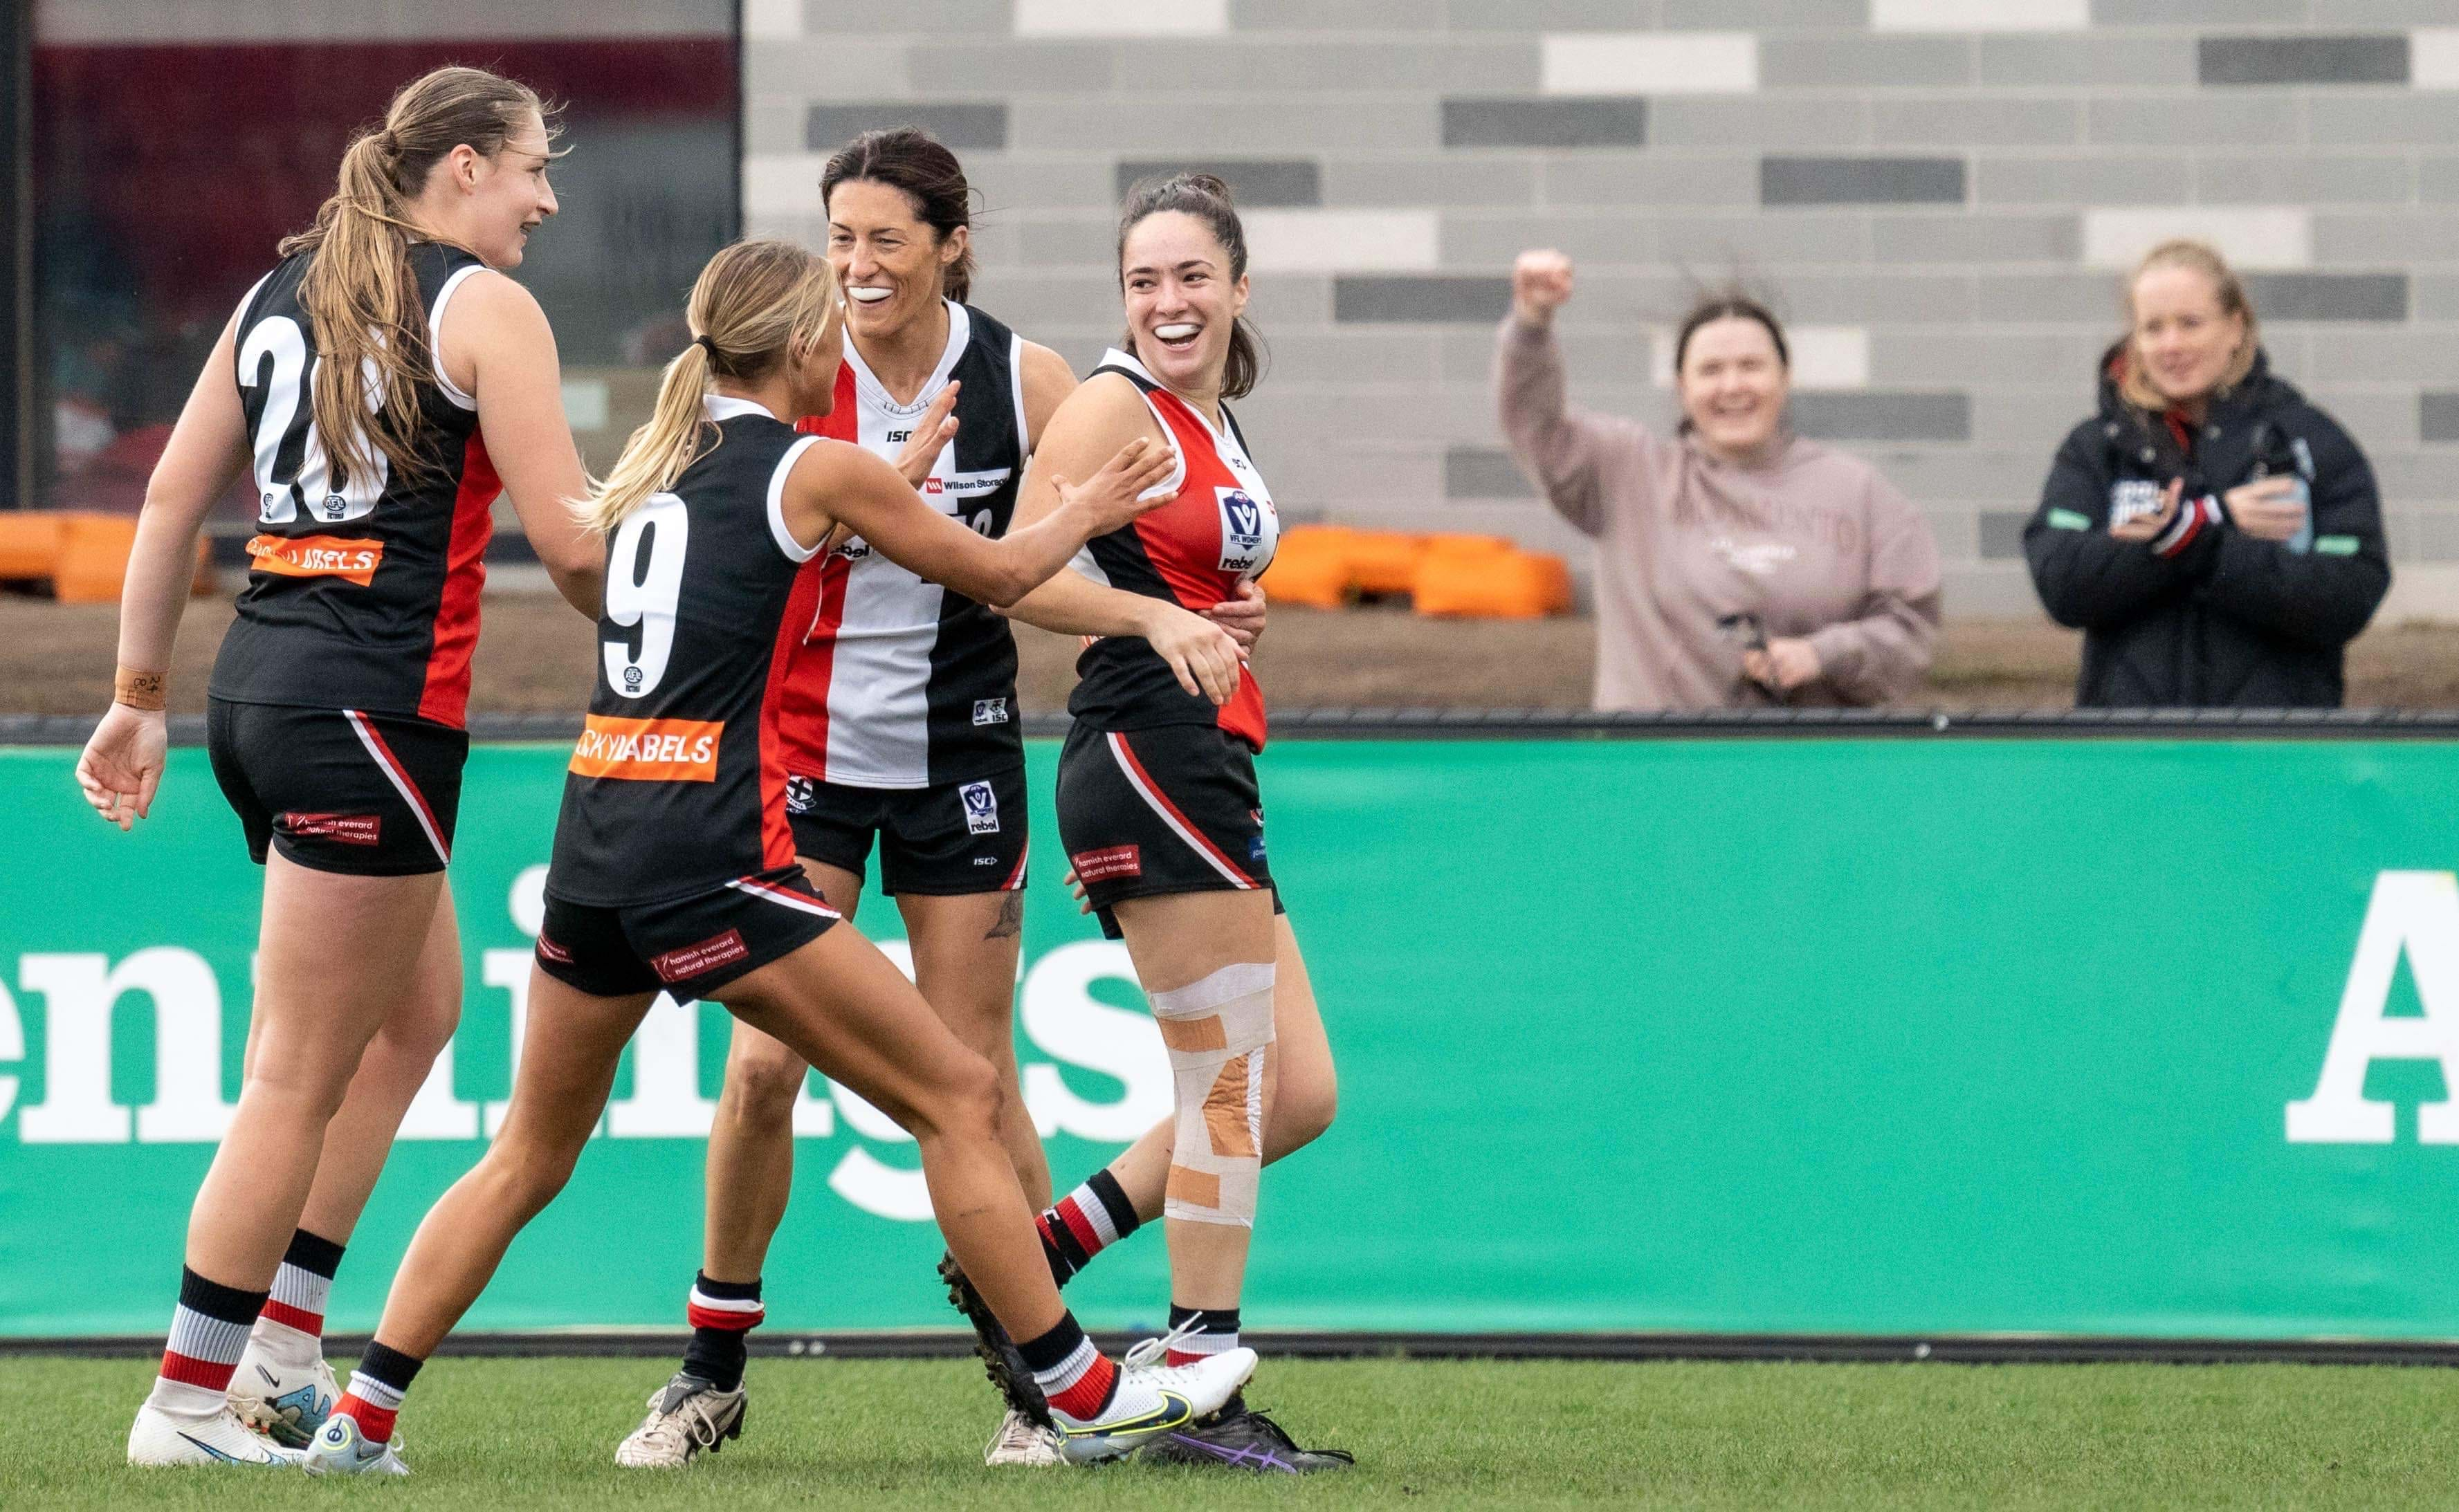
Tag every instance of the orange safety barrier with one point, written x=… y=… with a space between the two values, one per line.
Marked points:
x=94 y=557
x=82 y=553
x=1312 y=566
x=30 y=543
x=1385 y=561
x=1506 y=584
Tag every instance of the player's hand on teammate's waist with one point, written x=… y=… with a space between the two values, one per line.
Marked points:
x=1202 y=655
x=1114 y=496
x=1243 y=616
x=931 y=436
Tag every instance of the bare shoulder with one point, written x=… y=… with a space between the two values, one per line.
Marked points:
x=1106 y=410
x=1042 y=367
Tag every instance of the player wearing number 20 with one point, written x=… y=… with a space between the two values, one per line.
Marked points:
x=386 y=384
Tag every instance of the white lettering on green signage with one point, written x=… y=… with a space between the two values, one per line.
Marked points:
x=79 y=991
x=2415 y=913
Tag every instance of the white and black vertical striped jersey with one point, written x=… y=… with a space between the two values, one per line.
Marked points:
x=678 y=783
x=898 y=682
x=362 y=590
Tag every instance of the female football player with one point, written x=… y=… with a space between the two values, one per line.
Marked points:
x=388 y=382
x=1158 y=803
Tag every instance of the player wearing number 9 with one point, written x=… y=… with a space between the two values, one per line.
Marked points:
x=673 y=867
x=383 y=382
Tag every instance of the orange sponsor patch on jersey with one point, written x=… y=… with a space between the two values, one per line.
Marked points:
x=317 y=556
x=647 y=750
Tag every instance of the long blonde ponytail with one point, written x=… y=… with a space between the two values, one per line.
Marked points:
x=360 y=291
x=752 y=304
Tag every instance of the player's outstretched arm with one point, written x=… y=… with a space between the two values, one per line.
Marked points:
x=499 y=348
x=836 y=483
x=1105 y=412
x=122 y=764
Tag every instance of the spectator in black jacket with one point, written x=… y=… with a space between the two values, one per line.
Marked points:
x=2217 y=539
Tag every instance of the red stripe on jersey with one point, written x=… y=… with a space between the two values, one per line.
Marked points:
x=844 y=420
x=446 y=699
x=818 y=606
x=804 y=719
x=811 y=589
x=1182 y=539
x=1186 y=827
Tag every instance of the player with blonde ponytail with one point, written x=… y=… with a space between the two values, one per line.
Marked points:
x=384 y=383
x=674 y=867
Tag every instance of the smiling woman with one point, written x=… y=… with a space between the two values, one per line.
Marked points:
x=1737 y=564
x=2217 y=539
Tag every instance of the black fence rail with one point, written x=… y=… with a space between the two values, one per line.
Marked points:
x=1520 y=723
x=1910 y=1349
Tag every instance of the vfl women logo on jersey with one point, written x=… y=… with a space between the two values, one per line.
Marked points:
x=982 y=808
x=1244 y=522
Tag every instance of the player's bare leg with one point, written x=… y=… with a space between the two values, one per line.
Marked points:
x=283 y=1386
x=335 y=957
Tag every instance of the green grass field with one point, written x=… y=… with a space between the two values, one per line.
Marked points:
x=519 y=1433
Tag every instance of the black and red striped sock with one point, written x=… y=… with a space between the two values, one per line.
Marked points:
x=208 y=1335
x=1084 y=1223
x=377 y=1389
x=723 y=1315
x=1215 y=1332
x=1074 y=1378
x=302 y=1285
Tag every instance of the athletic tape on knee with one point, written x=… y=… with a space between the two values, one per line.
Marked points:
x=1217 y=1032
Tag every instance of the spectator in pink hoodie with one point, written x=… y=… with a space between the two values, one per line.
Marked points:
x=1738 y=566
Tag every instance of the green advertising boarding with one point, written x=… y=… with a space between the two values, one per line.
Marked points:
x=2130 y=1037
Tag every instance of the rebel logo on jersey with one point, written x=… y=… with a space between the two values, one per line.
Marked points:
x=647 y=750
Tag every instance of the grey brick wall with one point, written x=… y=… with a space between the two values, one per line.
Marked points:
x=1938 y=193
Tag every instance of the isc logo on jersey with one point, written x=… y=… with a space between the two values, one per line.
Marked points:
x=1243 y=521
x=647 y=750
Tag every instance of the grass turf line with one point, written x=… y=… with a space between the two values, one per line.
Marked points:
x=521 y=1434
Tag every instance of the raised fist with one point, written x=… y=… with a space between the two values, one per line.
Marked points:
x=1541 y=280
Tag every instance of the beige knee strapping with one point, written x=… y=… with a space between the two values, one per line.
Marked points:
x=1217 y=1032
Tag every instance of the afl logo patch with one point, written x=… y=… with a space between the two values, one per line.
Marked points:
x=989 y=711
x=1246 y=523
x=981 y=808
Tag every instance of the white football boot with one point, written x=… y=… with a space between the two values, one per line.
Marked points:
x=218 y=1437
x=1151 y=1398
x=1022 y=1442
x=283 y=1388
x=340 y=1449
x=686 y=1416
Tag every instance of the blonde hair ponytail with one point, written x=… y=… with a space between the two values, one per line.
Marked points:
x=753 y=304
x=360 y=292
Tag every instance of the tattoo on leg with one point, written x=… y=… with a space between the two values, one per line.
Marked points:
x=1011 y=918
